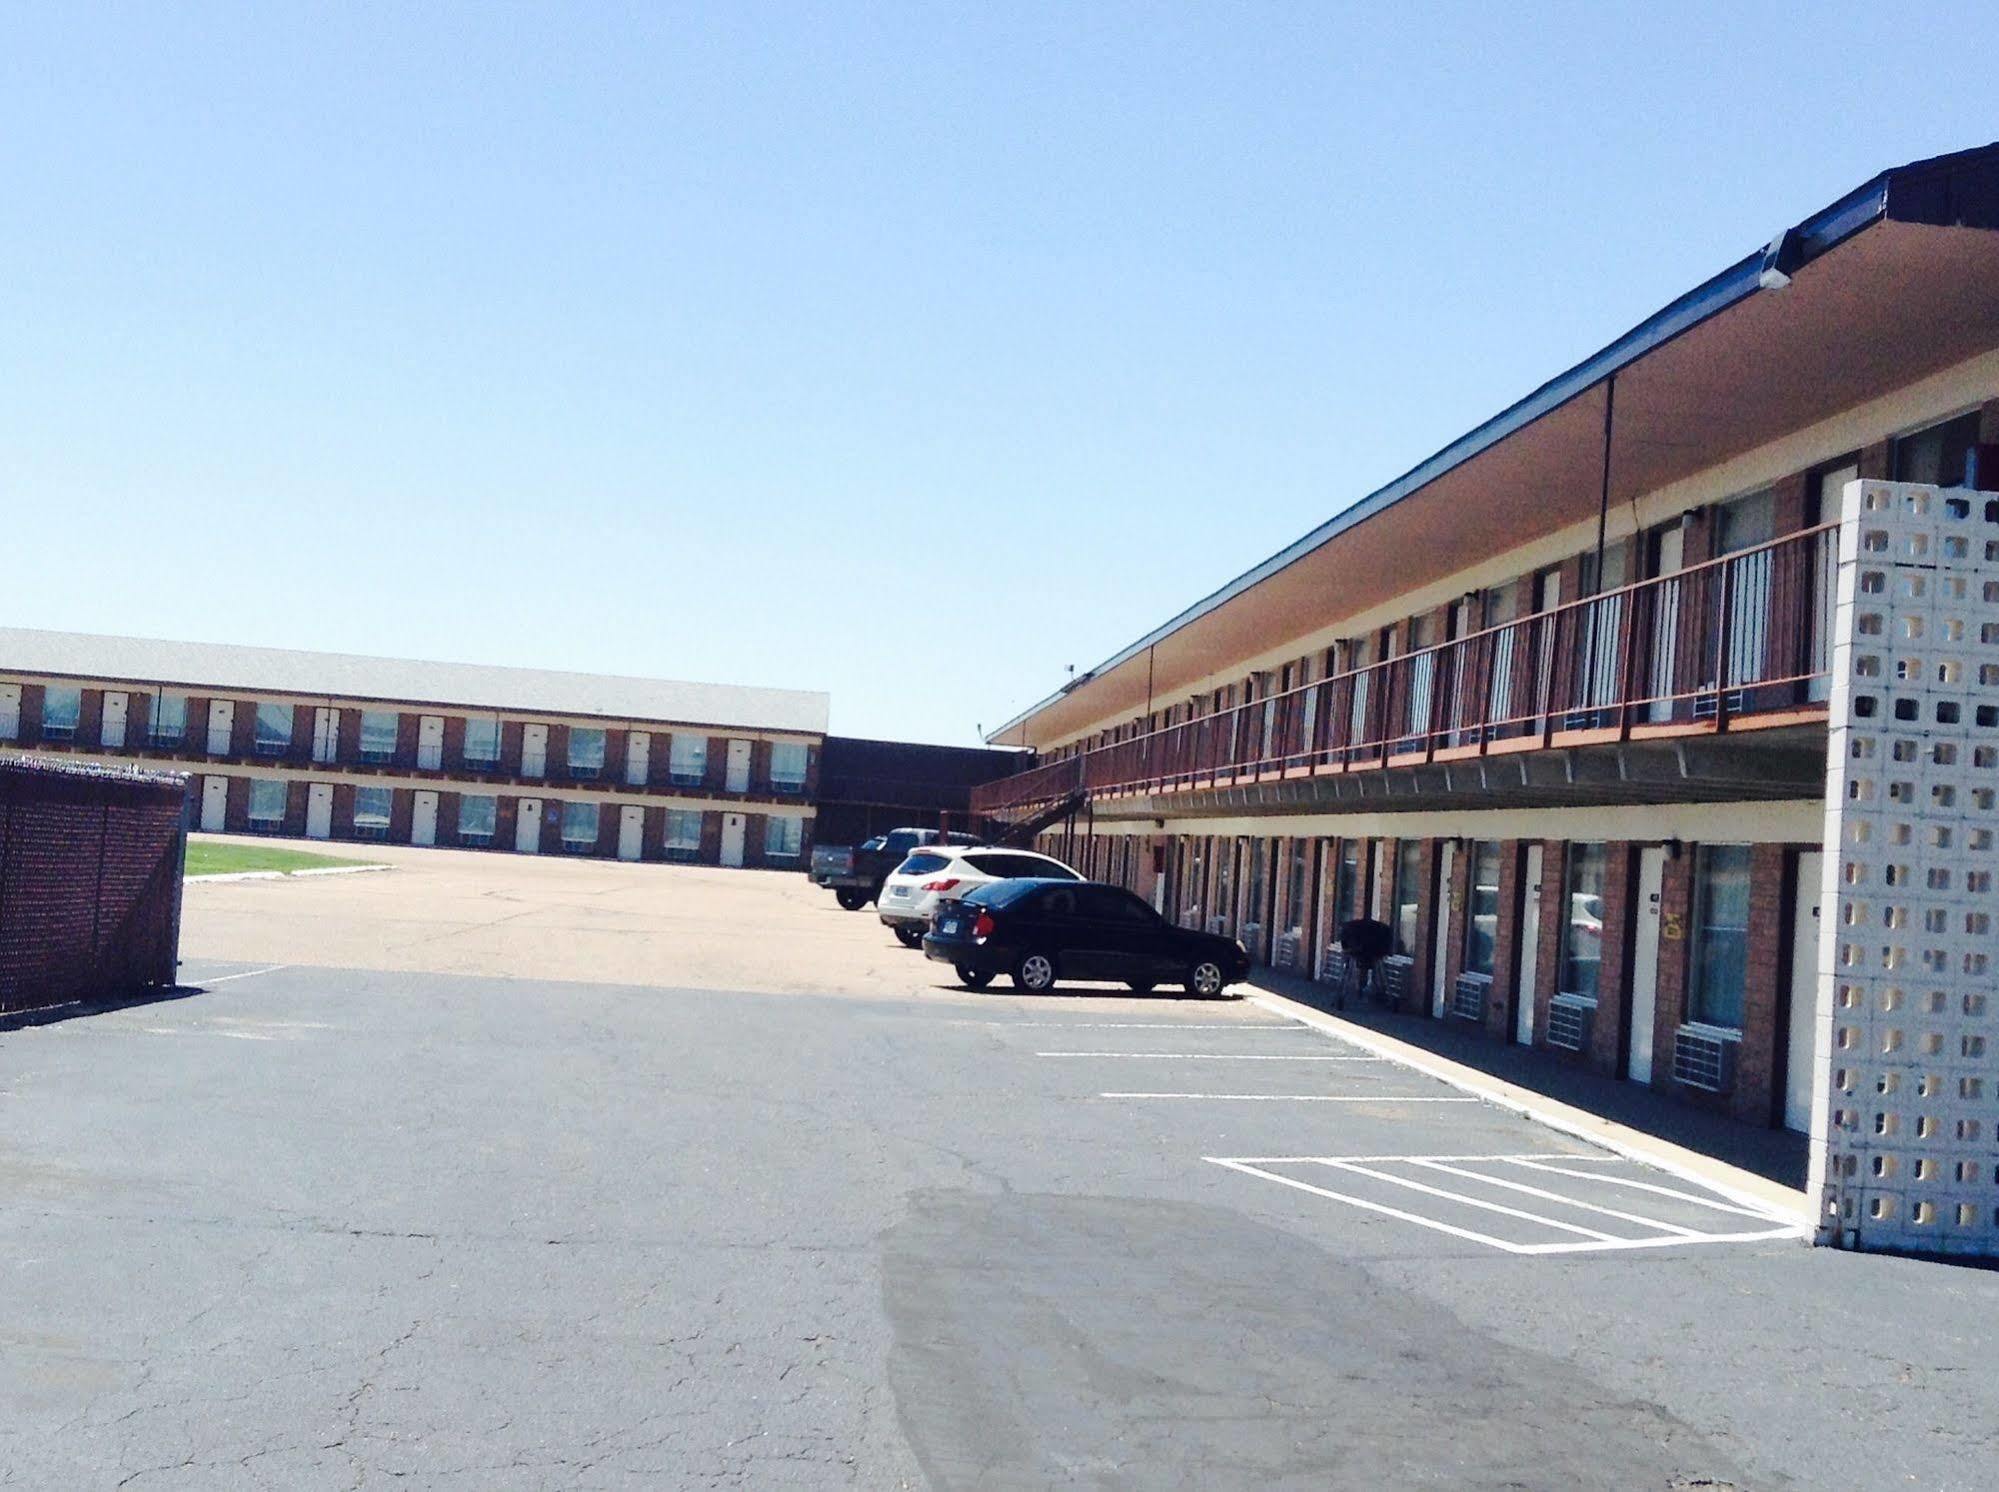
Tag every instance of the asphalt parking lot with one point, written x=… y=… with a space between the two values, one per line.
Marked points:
x=314 y=1226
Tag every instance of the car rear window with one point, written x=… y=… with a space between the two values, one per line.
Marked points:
x=1017 y=865
x=922 y=865
x=1001 y=893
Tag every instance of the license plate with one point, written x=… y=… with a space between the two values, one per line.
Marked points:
x=948 y=925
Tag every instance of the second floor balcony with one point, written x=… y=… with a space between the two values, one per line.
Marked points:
x=1740 y=642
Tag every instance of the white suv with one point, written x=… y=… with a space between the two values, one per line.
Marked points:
x=946 y=872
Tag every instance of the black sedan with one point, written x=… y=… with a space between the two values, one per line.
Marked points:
x=1041 y=931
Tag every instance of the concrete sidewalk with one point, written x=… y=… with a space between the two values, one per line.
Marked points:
x=1767 y=1166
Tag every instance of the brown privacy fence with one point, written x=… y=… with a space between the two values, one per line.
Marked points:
x=90 y=874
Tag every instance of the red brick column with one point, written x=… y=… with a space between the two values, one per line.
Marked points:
x=1613 y=981
x=1554 y=914
x=1417 y=1000
x=1756 y=1078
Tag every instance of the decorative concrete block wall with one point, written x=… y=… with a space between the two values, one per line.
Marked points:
x=1906 y=1123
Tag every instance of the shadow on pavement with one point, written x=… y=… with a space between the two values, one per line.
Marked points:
x=50 y=1015
x=1775 y=1154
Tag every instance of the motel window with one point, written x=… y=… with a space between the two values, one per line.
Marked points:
x=1936 y=455
x=378 y=735
x=62 y=709
x=482 y=740
x=1582 y=928
x=579 y=827
x=683 y=833
x=784 y=836
x=1258 y=877
x=1721 y=934
x=1194 y=859
x=169 y=723
x=687 y=761
x=1222 y=911
x=274 y=728
x=371 y=811
x=267 y=803
x=1297 y=878
x=787 y=766
x=1408 y=881
x=586 y=751
x=478 y=817
x=1347 y=884
x=1482 y=911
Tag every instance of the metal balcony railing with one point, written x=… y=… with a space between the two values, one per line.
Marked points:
x=1748 y=634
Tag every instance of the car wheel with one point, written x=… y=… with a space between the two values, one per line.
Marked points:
x=1035 y=973
x=909 y=937
x=850 y=899
x=1140 y=986
x=1205 y=979
x=974 y=978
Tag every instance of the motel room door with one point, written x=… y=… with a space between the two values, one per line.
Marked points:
x=631 y=832
x=319 y=810
x=527 y=827
x=1645 y=962
x=423 y=819
x=325 y=735
x=214 y=804
x=116 y=704
x=534 y=757
x=738 y=778
x=734 y=827
x=1801 y=1026
x=1440 y=949
x=1530 y=949
x=221 y=725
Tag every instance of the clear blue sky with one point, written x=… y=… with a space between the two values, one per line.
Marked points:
x=906 y=352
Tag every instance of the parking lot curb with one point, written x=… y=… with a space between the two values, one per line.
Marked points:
x=1746 y=1187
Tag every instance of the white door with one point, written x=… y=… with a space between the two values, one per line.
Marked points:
x=319 y=810
x=1801 y=1059
x=734 y=826
x=1530 y=949
x=638 y=754
x=10 y=711
x=423 y=819
x=527 y=827
x=631 y=832
x=1645 y=962
x=429 y=744
x=221 y=724
x=738 y=779
x=325 y=735
x=1439 y=962
x=534 y=753
x=214 y=804
x=112 y=731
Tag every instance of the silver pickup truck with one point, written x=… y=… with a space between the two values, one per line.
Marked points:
x=855 y=873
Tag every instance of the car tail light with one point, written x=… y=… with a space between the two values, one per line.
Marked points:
x=983 y=928
x=943 y=885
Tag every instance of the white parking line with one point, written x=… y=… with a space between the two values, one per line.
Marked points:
x=1650 y=1186
x=1297 y=1097
x=1660 y=1232
x=1148 y=1026
x=1215 y=1056
x=246 y=974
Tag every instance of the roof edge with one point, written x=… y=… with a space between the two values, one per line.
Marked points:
x=1933 y=191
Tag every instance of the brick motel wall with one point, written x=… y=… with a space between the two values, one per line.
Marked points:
x=90 y=868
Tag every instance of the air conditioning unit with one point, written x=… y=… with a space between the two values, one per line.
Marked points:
x=1468 y=996
x=1704 y=1058
x=1285 y=954
x=1335 y=967
x=1569 y=1022
x=1395 y=975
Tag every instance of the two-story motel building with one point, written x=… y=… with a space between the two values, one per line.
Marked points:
x=1554 y=704
x=331 y=746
